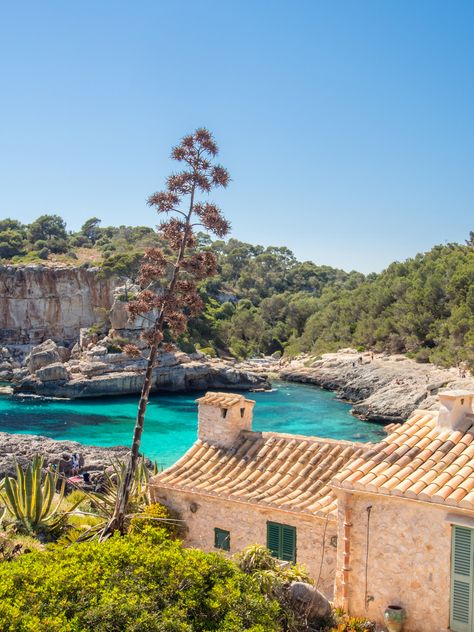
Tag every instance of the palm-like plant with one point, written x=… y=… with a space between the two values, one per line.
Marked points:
x=104 y=503
x=31 y=499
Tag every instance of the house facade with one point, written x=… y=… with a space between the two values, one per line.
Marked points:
x=236 y=487
x=375 y=525
x=406 y=522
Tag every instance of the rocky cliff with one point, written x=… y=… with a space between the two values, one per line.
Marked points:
x=54 y=371
x=39 y=302
x=380 y=387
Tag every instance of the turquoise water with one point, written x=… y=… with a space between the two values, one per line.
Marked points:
x=171 y=420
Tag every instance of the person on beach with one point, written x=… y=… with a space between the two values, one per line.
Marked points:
x=75 y=464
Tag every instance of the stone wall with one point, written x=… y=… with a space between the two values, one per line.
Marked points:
x=222 y=426
x=247 y=525
x=409 y=556
x=38 y=302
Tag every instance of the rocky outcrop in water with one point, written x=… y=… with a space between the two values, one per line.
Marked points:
x=21 y=448
x=97 y=372
x=380 y=387
x=39 y=302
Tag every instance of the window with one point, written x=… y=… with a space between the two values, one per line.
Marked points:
x=281 y=541
x=461 y=619
x=222 y=539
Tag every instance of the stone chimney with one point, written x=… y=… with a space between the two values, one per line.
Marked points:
x=221 y=417
x=454 y=406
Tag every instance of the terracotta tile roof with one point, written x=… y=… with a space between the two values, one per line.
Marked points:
x=288 y=472
x=224 y=400
x=419 y=461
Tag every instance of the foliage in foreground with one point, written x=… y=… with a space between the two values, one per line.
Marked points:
x=143 y=583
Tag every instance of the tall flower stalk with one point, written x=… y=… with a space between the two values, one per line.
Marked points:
x=168 y=277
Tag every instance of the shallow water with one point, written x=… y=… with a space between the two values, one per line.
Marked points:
x=171 y=421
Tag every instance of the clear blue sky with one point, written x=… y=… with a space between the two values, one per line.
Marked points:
x=347 y=127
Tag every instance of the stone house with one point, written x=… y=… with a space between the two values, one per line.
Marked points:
x=236 y=487
x=406 y=521
x=375 y=525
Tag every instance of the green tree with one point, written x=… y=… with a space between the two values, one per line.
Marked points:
x=50 y=229
x=91 y=229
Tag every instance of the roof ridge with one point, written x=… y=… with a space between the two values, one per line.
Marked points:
x=284 y=471
x=312 y=438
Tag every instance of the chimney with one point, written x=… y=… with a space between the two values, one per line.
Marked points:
x=221 y=417
x=454 y=406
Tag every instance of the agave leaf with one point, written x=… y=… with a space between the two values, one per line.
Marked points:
x=9 y=497
x=47 y=496
x=29 y=493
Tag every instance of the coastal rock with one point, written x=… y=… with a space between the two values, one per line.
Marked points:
x=22 y=448
x=117 y=374
x=42 y=355
x=53 y=372
x=97 y=350
x=380 y=387
x=64 y=353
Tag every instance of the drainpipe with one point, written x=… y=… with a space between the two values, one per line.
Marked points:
x=346 y=551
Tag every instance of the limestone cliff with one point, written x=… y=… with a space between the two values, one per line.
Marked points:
x=39 y=302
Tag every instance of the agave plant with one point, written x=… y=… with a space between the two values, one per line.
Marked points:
x=104 y=502
x=31 y=499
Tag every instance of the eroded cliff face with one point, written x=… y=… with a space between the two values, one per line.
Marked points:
x=38 y=302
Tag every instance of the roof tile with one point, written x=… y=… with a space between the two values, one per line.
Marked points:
x=287 y=471
x=420 y=461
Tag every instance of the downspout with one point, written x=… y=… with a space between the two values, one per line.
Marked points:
x=346 y=552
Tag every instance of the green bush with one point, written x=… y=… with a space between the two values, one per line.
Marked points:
x=43 y=253
x=135 y=583
x=156 y=516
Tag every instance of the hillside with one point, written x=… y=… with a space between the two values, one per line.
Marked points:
x=263 y=300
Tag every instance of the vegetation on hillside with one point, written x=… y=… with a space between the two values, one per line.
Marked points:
x=423 y=307
x=263 y=300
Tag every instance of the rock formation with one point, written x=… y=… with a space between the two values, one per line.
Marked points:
x=21 y=448
x=39 y=302
x=381 y=387
x=96 y=372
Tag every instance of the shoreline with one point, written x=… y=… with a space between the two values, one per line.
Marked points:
x=380 y=388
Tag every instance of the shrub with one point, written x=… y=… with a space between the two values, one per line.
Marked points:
x=345 y=623
x=209 y=351
x=43 y=253
x=113 y=348
x=422 y=355
x=155 y=516
x=140 y=582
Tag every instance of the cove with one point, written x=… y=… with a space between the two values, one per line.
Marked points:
x=171 y=422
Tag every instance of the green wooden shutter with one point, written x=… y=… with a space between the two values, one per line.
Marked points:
x=273 y=538
x=461 y=619
x=222 y=539
x=288 y=543
x=281 y=541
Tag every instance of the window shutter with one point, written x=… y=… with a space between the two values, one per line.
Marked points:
x=288 y=543
x=281 y=541
x=221 y=539
x=273 y=538
x=461 y=580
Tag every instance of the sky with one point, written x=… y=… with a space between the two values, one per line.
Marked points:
x=347 y=126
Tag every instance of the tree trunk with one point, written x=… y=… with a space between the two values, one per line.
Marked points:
x=117 y=521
